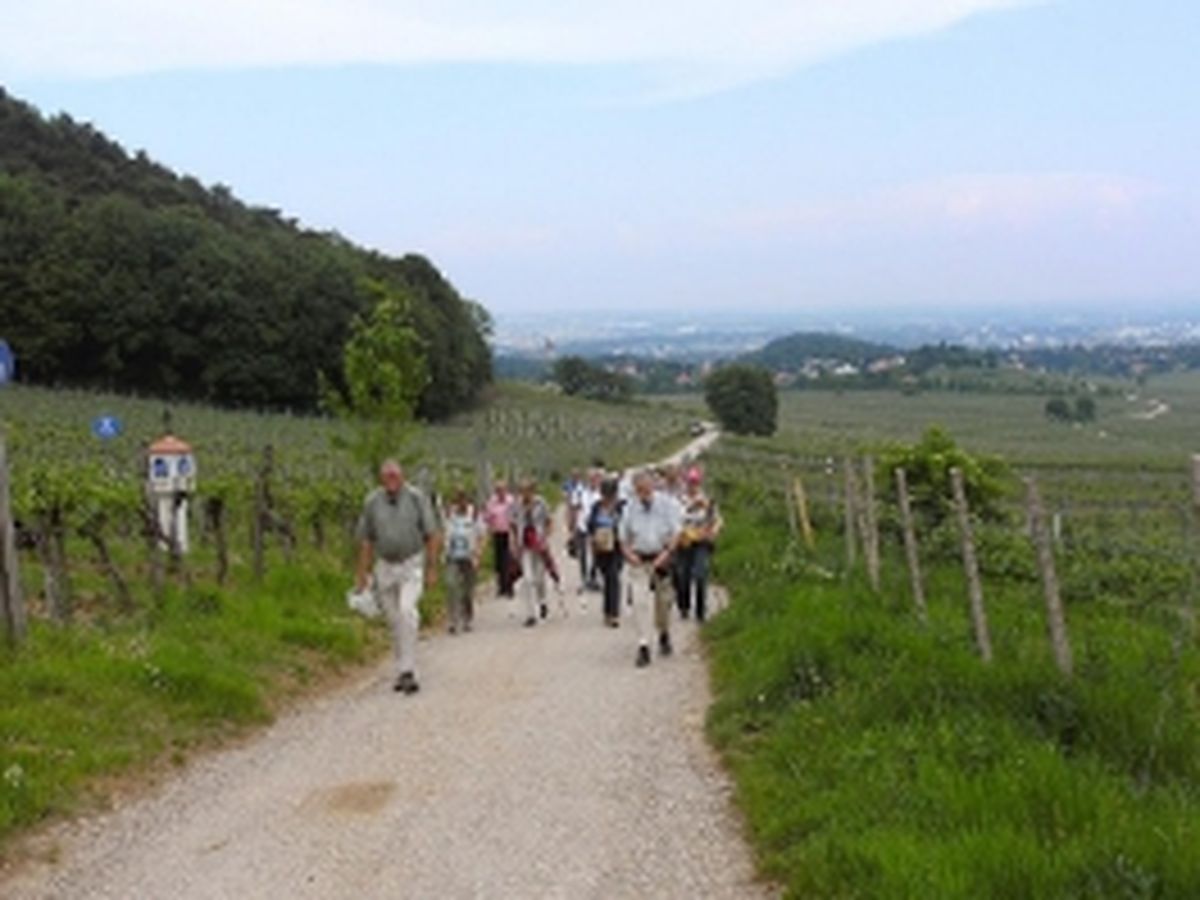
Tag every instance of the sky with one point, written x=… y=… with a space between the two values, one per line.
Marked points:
x=677 y=157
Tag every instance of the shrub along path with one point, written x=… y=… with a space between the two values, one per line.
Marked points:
x=534 y=763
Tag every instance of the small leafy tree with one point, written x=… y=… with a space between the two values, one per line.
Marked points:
x=743 y=399
x=384 y=371
x=1085 y=409
x=927 y=465
x=1058 y=410
x=578 y=377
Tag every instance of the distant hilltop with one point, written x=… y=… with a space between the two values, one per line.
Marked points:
x=838 y=361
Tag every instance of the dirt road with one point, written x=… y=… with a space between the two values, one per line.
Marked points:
x=534 y=763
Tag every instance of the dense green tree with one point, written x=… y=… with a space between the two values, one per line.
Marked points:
x=116 y=273
x=743 y=399
x=1058 y=409
x=579 y=378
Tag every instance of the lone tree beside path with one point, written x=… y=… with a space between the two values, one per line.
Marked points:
x=744 y=399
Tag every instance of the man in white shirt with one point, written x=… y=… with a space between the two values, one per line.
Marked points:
x=650 y=528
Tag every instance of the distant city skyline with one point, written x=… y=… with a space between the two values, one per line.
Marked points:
x=824 y=157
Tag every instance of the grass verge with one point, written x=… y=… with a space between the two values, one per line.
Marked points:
x=103 y=699
x=878 y=759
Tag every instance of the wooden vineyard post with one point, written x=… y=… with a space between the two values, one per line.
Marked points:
x=52 y=546
x=983 y=639
x=214 y=512
x=12 y=601
x=871 y=523
x=793 y=522
x=1059 y=639
x=262 y=509
x=849 y=491
x=806 y=528
x=911 y=550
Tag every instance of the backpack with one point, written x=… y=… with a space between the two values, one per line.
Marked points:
x=460 y=538
x=604 y=530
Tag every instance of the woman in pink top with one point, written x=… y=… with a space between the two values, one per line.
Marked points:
x=498 y=516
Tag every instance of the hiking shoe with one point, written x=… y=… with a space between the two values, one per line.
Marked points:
x=643 y=656
x=545 y=610
x=664 y=644
x=530 y=622
x=407 y=683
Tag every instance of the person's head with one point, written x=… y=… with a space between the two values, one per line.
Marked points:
x=694 y=479
x=608 y=490
x=596 y=478
x=501 y=487
x=670 y=474
x=527 y=488
x=460 y=500
x=391 y=476
x=643 y=486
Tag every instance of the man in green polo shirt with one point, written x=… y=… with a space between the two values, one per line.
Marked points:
x=399 y=534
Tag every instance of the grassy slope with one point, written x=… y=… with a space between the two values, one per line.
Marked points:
x=875 y=758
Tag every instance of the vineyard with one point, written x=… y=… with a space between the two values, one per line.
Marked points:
x=129 y=650
x=988 y=688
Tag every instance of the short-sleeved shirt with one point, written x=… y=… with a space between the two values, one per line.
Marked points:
x=582 y=498
x=397 y=526
x=650 y=530
x=498 y=513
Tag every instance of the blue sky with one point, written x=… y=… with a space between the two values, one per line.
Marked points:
x=812 y=155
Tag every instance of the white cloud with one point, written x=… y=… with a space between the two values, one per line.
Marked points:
x=693 y=46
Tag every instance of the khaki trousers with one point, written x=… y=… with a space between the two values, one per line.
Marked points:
x=650 y=595
x=398 y=588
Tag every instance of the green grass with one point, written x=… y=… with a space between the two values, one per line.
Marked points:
x=877 y=758
x=102 y=699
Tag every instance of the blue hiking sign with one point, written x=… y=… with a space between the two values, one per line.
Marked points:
x=8 y=363
x=107 y=427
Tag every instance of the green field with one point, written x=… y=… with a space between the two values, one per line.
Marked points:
x=1015 y=427
x=879 y=757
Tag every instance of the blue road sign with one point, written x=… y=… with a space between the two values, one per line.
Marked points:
x=8 y=363
x=107 y=427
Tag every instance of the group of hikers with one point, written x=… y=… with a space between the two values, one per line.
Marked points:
x=647 y=535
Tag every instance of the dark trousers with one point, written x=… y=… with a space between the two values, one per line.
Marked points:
x=609 y=567
x=503 y=561
x=693 y=569
x=583 y=551
x=679 y=567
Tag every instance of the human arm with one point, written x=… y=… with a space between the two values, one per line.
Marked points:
x=366 y=557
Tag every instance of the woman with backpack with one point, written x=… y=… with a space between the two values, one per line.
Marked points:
x=603 y=529
x=464 y=547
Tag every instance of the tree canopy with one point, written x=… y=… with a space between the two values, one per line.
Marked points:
x=744 y=399
x=578 y=377
x=116 y=273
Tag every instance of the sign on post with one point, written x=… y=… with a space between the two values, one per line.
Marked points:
x=8 y=363
x=107 y=427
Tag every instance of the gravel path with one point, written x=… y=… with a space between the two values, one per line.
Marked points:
x=534 y=763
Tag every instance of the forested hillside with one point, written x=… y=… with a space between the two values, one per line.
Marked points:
x=117 y=273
